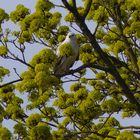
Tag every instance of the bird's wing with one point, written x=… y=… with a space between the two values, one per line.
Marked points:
x=61 y=60
x=77 y=58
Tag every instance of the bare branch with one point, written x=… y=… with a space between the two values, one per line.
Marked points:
x=90 y=65
x=70 y=81
x=40 y=41
x=129 y=127
x=22 y=52
x=96 y=28
x=13 y=57
x=71 y=25
x=96 y=133
x=136 y=128
x=20 y=60
x=50 y=124
x=12 y=82
x=136 y=132
x=105 y=121
x=61 y=6
x=17 y=73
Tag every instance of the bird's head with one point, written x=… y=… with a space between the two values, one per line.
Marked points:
x=71 y=36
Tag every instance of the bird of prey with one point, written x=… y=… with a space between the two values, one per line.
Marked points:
x=65 y=62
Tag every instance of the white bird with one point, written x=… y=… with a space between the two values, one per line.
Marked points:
x=65 y=62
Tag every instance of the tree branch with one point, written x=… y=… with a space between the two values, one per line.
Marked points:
x=105 y=121
x=117 y=20
x=74 y=3
x=120 y=63
x=56 y=5
x=96 y=29
x=129 y=127
x=87 y=9
x=20 y=60
x=92 y=132
x=71 y=25
x=12 y=82
x=136 y=132
x=17 y=73
x=70 y=8
x=90 y=65
x=73 y=8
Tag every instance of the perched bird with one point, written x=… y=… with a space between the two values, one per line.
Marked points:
x=66 y=61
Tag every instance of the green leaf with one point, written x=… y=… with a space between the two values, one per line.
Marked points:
x=19 y=14
x=3 y=50
x=5 y=134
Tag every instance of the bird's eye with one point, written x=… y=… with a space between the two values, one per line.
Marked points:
x=71 y=35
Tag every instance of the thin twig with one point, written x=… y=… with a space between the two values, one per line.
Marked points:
x=12 y=82
x=61 y=6
x=105 y=121
x=17 y=73
x=96 y=29
x=18 y=59
x=70 y=81
x=71 y=25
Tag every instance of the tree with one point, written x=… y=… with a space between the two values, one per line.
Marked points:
x=109 y=54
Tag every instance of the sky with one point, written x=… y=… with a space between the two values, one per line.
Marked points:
x=10 y=5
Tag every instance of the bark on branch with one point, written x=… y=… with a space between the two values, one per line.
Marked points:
x=87 y=9
x=90 y=65
x=9 y=83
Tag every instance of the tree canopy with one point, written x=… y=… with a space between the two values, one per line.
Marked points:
x=105 y=83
